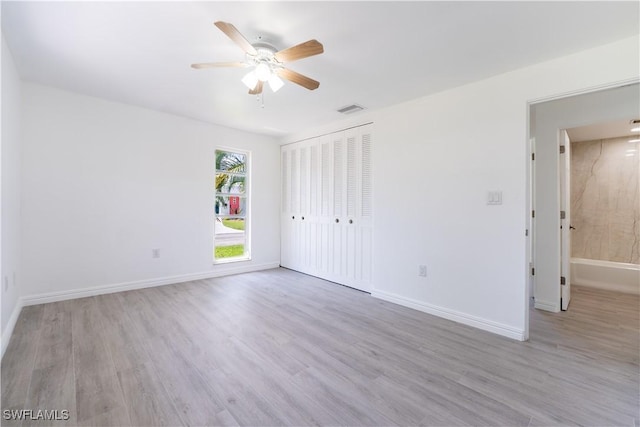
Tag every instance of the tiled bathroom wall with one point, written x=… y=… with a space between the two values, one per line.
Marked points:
x=605 y=200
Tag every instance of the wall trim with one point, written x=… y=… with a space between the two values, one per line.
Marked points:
x=546 y=306
x=626 y=288
x=584 y=91
x=11 y=324
x=140 y=284
x=456 y=316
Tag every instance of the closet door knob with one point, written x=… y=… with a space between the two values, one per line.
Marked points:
x=303 y=218
x=350 y=221
x=293 y=217
x=337 y=220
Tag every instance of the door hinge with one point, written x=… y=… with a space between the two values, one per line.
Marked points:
x=526 y=232
x=562 y=149
x=533 y=214
x=533 y=156
x=563 y=280
x=533 y=271
x=563 y=214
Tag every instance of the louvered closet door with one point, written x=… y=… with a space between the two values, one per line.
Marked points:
x=357 y=225
x=312 y=220
x=337 y=236
x=303 y=212
x=364 y=210
x=308 y=212
x=327 y=207
x=350 y=222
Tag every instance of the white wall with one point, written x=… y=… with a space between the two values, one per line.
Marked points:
x=104 y=183
x=434 y=160
x=10 y=152
x=605 y=198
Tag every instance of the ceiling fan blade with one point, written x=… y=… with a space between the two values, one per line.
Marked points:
x=237 y=64
x=303 y=50
x=258 y=89
x=298 y=78
x=235 y=35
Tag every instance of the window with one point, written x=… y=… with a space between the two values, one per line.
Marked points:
x=230 y=226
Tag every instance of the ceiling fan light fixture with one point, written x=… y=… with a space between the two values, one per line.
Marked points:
x=268 y=62
x=275 y=83
x=250 y=80
x=263 y=72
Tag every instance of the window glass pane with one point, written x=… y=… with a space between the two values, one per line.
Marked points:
x=230 y=238
x=230 y=183
x=230 y=162
x=231 y=205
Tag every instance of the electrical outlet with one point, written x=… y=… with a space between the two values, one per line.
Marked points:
x=422 y=270
x=155 y=253
x=6 y=283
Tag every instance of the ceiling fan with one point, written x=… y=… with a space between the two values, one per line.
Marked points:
x=268 y=62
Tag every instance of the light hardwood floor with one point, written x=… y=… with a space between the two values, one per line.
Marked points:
x=281 y=348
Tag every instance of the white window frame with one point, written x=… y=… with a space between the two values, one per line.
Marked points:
x=246 y=256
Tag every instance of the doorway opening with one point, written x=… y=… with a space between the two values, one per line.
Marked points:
x=550 y=176
x=604 y=200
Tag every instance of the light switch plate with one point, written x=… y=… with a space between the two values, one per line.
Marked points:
x=494 y=197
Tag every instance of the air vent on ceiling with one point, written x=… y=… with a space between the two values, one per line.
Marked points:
x=634 y=121
x=353 y=108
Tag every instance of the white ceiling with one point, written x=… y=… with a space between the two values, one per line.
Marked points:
x=603 y=131
x=376 y=53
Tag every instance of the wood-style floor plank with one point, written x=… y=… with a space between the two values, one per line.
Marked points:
x=282 y=348
x=53 y=380
x=99 y=398
x=19 y=359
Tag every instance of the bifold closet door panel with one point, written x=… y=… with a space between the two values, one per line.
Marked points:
x=364 y=208
x=337 y=235
x=285 y=219
x=308 y=213
x=290 y=252
x=313 y=224
x=325 y=205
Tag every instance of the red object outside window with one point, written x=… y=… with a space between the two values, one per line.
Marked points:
x=234 y=205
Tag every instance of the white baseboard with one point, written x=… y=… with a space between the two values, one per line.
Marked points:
x=466 y=319
x=140 y=284
x=8 y=330
x=546 y=306
x=627 y=288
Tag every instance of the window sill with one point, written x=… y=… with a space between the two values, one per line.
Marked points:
x=232 y=260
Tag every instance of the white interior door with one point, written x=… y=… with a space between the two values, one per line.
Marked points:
x=565 y=220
